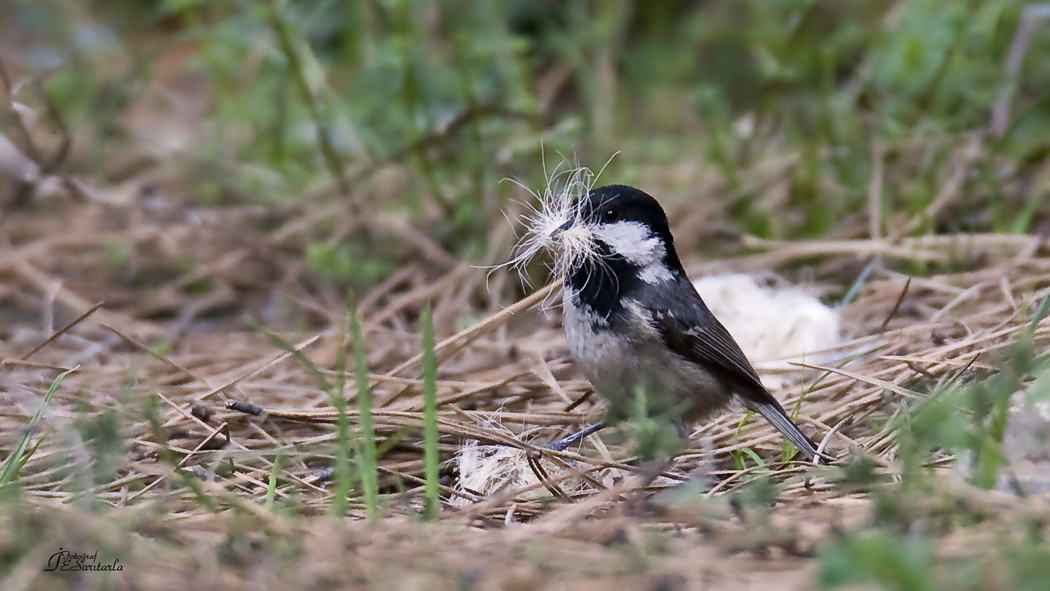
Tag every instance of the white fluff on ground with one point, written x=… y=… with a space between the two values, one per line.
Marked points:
x=772 y=326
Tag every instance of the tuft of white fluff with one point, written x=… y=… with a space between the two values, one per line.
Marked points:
x=491 y=469
x=772 y=326
x=558 y=203
x=494 y=469
x=486 y=469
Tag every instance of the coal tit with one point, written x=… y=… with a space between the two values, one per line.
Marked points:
x=633 y=319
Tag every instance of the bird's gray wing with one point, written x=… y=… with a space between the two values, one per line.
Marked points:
x=688 y=328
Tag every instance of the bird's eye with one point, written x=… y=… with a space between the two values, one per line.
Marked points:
x=610 y=215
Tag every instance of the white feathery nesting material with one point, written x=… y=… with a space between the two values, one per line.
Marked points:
x=558 y=204
x=485 y=469
x=492 y=469
x=772 y=326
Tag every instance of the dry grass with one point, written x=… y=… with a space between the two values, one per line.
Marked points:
x=506 y=376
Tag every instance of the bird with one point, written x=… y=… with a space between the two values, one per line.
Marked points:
x=632 y=318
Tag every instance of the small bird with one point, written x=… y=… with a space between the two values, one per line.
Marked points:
x=633 y=319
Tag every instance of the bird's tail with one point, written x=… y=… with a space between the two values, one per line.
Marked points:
x=774 y=413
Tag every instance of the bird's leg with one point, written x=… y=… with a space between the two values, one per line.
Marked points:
x=562 y=444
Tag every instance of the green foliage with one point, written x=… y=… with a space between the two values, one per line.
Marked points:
x=895 y=562
x=105 y=440
x=271 y=484
x=355 y=456
x=345 y=263
x=649 y=423
x=369 y=466
x=431 y=452
x=301 y=91
x=971 y=419
x=344 y=441
x=22 y=452
x=276 y=340
x=968 y=417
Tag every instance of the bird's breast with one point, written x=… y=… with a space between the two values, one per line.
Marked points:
x=621 y=353
x=604 y=357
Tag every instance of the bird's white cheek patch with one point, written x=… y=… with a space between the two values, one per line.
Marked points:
x=632 y=241
x=655 y=273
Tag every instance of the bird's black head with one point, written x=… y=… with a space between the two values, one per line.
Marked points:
x=619 y=237
x=614 y=206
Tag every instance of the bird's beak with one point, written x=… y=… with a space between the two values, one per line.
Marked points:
x=561 y=229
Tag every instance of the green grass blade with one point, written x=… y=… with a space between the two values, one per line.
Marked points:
x=36 y=446
x=430 y=428
x=854 y=289
x=18 y=457
x=368 y=464
x=344 y=440
x=271 y=486
x=738 y=456
x=344 y=479
x=757 y=459
x=277 y=341
x=1040 y=312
